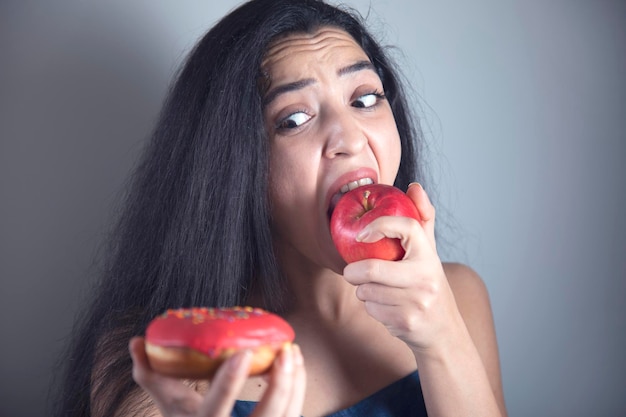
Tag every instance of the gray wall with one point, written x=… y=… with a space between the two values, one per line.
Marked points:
x=524 y=107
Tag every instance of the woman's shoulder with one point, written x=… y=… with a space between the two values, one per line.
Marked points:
x=472 y=299
x=470 y=293
x=464 y=281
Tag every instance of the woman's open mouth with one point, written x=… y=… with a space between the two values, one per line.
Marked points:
x=344 y=189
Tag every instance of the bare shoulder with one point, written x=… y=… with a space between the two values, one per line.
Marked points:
x=461 y=274
x=466 y=284
x=472 y=299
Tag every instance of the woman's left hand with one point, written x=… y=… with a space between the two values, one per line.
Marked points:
x=411 y=297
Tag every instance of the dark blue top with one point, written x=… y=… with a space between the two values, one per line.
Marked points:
x=402 y=398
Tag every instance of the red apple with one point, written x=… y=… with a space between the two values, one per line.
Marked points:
x=358 y=208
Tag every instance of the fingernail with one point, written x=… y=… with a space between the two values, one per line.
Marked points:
x=416 y=184
x=362 y=235
x=297 y=353
x=286 y=359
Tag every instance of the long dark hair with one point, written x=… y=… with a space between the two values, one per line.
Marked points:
x=195 y=227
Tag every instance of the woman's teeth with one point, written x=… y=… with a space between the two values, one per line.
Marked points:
x=348 y=187
x=354 y=184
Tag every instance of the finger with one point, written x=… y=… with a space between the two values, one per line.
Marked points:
x=226 y=385
x=276 y=397
x=418 y=195
x=380 y=294
x=294 y=407
x=170 y=395
x=415 y=289
x=385 y=226
x=418 y=261
x=389 y=273
x=425 y=208
x=410 y=232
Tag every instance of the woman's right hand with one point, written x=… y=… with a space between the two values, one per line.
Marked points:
x=283 y=397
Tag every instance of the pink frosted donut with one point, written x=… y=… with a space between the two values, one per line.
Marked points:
x=193 y=342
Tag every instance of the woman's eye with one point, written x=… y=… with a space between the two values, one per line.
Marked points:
x=293 y=120
x=368 y=100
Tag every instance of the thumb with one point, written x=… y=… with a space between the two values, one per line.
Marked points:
x=425 y=209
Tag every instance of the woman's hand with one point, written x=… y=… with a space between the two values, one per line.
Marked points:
x=411 y=297
x=283 y=398
x=414 y=299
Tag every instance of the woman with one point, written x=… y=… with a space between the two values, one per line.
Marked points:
x=278 y=106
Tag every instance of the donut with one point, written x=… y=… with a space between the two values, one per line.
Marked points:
x=193 y=342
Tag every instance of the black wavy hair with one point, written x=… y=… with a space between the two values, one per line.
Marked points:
x=195 y=227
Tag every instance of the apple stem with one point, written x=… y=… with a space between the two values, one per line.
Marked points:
x=366 y=203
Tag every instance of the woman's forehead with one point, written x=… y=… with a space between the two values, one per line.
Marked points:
x=298 y=47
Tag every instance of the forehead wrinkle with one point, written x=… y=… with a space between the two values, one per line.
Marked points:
x=305 y=42
x=313 y=37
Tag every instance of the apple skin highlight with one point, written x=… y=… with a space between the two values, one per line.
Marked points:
x=358 y=208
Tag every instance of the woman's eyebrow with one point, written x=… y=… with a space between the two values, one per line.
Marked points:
x=286 y=88
x=357 y=66
x=300 y=84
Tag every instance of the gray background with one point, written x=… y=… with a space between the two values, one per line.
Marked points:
x=524 y=107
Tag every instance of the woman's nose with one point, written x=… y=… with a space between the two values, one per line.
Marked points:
x=343 y=135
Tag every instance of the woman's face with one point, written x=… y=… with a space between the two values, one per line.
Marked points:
x=329 y=125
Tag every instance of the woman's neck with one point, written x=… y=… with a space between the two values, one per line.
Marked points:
x=316 y=292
